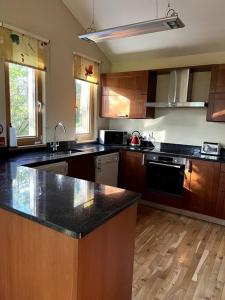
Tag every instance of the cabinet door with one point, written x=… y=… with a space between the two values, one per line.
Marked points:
x=216 y=107
x=137 y=107
x=124 y=95
x=218 y=79
x=204 y=184
x=221 y=194
x=116 y=107
x=82 y=167
x=132 y=171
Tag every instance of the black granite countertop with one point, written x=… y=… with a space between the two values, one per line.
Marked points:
x=191 y=152
x=72 y=206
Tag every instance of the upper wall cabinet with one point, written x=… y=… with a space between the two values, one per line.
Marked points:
x=125 y=94
x=218 y=79
x=216 y=105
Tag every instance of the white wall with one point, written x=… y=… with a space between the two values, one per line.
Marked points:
x=185 y=126
x=52 y=20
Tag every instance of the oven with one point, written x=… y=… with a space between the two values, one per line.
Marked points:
x=165 y=174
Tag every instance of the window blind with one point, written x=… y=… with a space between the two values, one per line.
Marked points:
x=23 y=49
x=86 y=69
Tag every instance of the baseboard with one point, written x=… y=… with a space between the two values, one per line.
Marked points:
x=184 y=212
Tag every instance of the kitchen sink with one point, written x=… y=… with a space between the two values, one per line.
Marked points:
x=66 y=152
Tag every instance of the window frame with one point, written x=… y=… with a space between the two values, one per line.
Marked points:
x=38 y=138
x=90 y=135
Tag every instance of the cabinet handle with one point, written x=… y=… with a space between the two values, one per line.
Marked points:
x=122 y=116
x=143 y=159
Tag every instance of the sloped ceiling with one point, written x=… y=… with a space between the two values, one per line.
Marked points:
x=204 y=31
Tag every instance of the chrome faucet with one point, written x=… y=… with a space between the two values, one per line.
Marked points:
x=55 y=144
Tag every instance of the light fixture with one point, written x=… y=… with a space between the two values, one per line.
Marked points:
x=171 y=21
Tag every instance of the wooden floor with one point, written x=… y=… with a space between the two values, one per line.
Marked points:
x=178 y=257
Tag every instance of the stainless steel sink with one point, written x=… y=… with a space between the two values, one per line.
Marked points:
x=66 y=152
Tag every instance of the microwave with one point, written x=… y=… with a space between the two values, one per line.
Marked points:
x=113 y=137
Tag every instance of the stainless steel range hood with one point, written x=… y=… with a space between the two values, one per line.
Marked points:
x=179 y=94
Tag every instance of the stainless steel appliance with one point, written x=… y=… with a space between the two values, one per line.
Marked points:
x=165 y=173
x=179 y=93
x=210 y=148
x=106 y=169
x=113 y=137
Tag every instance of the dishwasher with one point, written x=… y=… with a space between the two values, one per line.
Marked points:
x=106 y=169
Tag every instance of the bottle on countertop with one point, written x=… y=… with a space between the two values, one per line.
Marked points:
x=12 y=136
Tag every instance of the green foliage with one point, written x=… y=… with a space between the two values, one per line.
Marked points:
x=18 y=81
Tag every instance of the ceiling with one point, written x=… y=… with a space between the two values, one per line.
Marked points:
x=204 y=30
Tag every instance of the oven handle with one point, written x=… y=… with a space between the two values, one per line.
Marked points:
x=166 y=165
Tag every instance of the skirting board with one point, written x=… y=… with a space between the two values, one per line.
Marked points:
x=184 y=212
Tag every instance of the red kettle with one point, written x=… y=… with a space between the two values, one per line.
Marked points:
x=136 y=138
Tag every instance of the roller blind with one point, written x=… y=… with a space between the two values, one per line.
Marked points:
x=23 y=49
x=86 y=69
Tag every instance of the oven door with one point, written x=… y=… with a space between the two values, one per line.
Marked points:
x=165 y=177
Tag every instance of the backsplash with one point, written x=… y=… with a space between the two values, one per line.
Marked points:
x=179 y=126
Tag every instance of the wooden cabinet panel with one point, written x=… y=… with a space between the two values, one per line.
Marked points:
x=82 y=167
x=117 y=107
x=203 y=190
x=137 y=107
x=221 y=194
x=132 y=171
x=216 y=108
x=218 y=79
x=124 y=94
x=216 y=105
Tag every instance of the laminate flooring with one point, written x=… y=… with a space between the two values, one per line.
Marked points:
x=177 y=257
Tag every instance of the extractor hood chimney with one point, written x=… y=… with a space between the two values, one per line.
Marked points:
x=179 y=94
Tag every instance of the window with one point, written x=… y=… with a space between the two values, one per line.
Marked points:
x=25 y=102
x=84 y=110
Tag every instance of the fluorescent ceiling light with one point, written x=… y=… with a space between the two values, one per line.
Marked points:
x=163 y=24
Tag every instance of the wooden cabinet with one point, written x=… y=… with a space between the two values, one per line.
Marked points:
x=218 y=79
x=203 y=187
x=220 y=207
x=82 y=167
x=204 y=184
x=125 y=94
x=132 y=171
x=216 y=105
x=40 y=263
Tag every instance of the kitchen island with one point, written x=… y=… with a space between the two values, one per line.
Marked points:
x=62 y=237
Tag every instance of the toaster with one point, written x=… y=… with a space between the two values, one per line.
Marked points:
x=210 y=148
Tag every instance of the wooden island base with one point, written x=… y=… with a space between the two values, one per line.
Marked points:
x=37 y=262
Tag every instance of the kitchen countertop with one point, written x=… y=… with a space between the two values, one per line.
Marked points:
x=72 y=206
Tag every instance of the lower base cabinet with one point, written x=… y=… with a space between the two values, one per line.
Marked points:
x=202 y=192
x=220 y=208
x=204 y=185
x=82 y=167
x=203 y=189
x=132 y=171
x=39 y=263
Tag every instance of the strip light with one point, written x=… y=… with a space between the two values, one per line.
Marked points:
x=156 y=25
